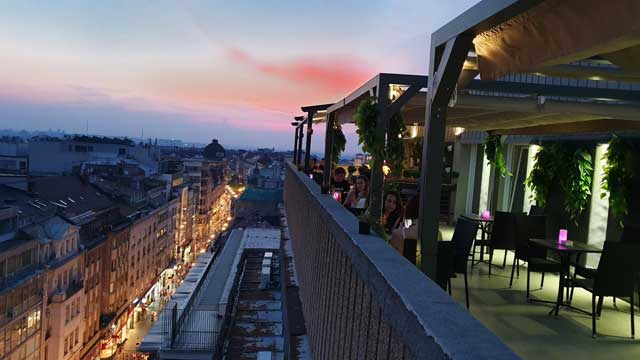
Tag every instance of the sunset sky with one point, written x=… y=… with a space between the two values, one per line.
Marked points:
x=194 y=70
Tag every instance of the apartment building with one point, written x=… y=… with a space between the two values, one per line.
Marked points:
x=22 y=275
x=63 y=287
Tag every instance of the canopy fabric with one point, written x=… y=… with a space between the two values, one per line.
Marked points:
x=559 y=32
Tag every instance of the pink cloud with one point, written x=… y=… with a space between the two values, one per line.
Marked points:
x=337 y=74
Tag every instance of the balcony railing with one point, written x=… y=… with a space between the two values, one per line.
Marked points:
x=360 y=297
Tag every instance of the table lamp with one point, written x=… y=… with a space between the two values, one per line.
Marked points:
x=562 y=236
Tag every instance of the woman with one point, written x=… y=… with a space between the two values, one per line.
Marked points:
x=405 y=239
x=357 y=198
x=392 y=215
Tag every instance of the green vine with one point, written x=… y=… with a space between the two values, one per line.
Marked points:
x=576 y=183
x=339 y=142
x=390 y=149
x=366 y=117
x=394 y=150
x=542 y=174
x=568 y=166
x=618 y=175
x=495 y=154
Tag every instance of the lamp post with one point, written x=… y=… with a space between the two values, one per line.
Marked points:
x=295 y=141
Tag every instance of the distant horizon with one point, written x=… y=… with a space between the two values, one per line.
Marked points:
x=238 y=71
x=226 y=146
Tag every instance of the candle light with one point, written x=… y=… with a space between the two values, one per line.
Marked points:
x=562 y=236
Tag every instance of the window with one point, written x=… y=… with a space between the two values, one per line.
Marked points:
x=75 y=337
x=66 y=345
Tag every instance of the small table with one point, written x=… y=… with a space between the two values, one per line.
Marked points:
x=483 y=224
x=565 y=251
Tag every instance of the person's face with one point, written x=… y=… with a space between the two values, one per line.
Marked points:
x=338 y=177
x=390 y=203
x=362 y=186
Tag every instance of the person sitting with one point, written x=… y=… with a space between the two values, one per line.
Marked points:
x=392 y=214
x=405 y=239
x=364 y=171
x=318 y=174
x=357 y=198
x=339 y=184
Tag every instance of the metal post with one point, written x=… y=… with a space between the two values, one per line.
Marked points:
x=444 y=70
x=295 y=145
x=307 y=154
x=300 y=136
x=328 y=150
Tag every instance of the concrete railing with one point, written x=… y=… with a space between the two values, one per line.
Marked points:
x=362 y=299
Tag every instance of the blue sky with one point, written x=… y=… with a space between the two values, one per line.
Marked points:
x=237 y=71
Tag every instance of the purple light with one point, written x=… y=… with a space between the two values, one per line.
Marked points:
x=562 y=236
x=486 y=215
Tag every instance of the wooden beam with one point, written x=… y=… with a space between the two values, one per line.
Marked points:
x=444 y=70
x=582 y=127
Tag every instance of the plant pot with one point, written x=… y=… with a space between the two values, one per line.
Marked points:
x=364 y=228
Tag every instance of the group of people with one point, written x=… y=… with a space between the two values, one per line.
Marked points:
x=353 y=194
x=398 y=221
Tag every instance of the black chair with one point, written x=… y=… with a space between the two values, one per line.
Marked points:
x=629 y=234
x=461 y=242
x=502 y=235
x=615 y=276
x=536 y=210
x=532 y=227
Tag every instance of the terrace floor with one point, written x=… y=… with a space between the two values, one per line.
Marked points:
x=528 y=329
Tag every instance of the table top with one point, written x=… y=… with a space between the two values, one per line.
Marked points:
x=476 y=217
x=576 y=247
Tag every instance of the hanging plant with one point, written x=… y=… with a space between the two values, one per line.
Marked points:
x=394 y=150
x=339 y=142
x=576 y=183
x=566 y=166
x=618 y=175
x=542 y=174
x=366 y=117
x=495 y=154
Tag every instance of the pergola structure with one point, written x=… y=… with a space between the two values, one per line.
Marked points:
x=394 y=93
x=535 y=37
x=314 y=113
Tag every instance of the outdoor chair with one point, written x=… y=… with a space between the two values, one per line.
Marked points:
x=629 y=234
x=461 y=242
x=615 y=276
x=532 y=227
x=502 y=236
x=536 y=211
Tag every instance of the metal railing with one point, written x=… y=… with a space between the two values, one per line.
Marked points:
x=196 y=330
x=361 y=298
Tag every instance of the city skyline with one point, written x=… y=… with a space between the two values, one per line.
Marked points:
x=193 y=71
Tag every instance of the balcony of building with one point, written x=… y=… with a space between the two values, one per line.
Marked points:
x=524 y=78
x=63 y=294
x=359 y=296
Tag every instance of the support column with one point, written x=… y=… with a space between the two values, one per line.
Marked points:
x=300 y=136
x=295 y=145
x=445 y=65
x=328 y=150
x=307 y=154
